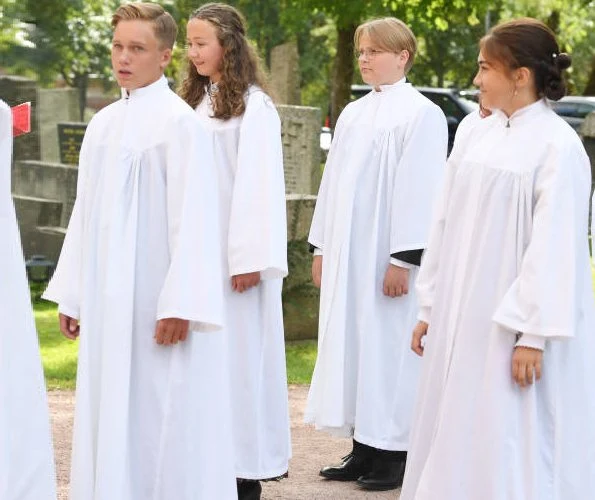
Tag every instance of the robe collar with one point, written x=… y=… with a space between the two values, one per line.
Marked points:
x=156 y=86
x=523 y=115
x=390 y=86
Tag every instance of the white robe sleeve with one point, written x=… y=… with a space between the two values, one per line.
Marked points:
x=257 y=223
x=544 y=300
x=193 y=288
x=418 y=180
x=65 y=286
x=593 y=228
x=426 y=278
x=316 y=235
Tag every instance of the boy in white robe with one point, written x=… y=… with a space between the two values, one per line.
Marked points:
x=140 y=268
x=370 y=227
x=26 y=456
x=506 y=403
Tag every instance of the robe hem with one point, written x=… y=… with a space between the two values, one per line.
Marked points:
x=381 y=444
x=272 y=475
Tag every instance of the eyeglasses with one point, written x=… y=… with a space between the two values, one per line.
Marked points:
x=369 y=53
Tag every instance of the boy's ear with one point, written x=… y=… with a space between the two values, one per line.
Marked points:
x=165 y=58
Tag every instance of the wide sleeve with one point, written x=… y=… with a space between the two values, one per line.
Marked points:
x=192 y=288
x=417 y=181
x=426 y=279
x=257 y=239
x=545 y=298
x=65 y=287
x=316 y=234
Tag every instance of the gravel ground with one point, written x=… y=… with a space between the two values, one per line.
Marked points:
x=311 y=450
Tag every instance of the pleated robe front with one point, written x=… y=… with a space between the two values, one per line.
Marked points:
x=382 y=175
x=249 y=159
x=26 y=455
x=151 y=421
x=508 y=254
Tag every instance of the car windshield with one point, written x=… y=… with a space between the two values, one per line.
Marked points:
x=468 y=104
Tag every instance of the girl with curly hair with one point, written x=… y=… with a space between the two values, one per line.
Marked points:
x=228 y=90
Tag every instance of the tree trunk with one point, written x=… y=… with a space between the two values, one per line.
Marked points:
x=342 y=71
x=590 y=88
x=81 y=83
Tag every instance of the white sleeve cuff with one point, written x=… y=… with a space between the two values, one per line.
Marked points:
x=424 y=314
x=401 y=263
x=531 y=341
x=317 y=251
x=68 y=311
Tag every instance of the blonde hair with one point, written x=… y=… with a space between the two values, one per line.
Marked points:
x=164 y=26
x=241 y=64
x=390 y=34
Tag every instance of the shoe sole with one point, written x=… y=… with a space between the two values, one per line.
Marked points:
x=338 y=478
x=378 y=487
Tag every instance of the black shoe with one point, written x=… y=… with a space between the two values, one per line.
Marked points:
x=385 y=475
x=249 y=489
x=352 y=467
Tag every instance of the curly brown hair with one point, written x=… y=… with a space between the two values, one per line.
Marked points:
x=241 y=65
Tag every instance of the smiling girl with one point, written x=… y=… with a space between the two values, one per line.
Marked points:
x=226 y=87
x=506 y=402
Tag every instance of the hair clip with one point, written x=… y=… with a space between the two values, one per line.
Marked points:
x=554 y=56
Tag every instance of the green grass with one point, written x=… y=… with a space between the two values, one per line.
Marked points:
x=59 y=354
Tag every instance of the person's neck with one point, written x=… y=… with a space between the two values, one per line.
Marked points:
x=128 y=91
x=389 y=81
x=519 y=101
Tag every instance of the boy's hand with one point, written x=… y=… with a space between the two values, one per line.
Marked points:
x=171 y=331
x=396 y=281
x=69 y=326
x=526 y=362
x=242 y=282
x=317 y=270
x=420 y=330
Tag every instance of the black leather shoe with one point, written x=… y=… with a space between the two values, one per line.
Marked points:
x=352 y=467
x=249 y=490
x=385 y=475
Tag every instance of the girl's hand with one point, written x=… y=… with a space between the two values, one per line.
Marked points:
x=526 y=365
x=242 y=282
x=420 y=330
x=317 y=270
x=396 y=281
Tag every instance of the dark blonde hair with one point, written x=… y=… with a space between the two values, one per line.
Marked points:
x=241 y=65
x=390 y=34
x=529 y=43
x=163 y=23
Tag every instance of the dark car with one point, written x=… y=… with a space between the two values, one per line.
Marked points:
x=453 y=105
x=574 y=109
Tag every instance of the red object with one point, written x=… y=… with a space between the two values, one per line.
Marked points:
x=327 y=121
x=21 y=119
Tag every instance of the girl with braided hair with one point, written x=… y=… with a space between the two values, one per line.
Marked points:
x=506 y=402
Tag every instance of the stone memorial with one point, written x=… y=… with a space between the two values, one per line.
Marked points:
x=70 y=140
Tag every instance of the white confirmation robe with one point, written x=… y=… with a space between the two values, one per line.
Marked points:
x=26 y=456
x=151 y=421
x=383 y=172
x=508 y=253
x=248 y=154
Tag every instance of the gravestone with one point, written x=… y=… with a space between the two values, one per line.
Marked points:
x=55 y=106
x=70 y=140
x=300 y=130
x=285 y=73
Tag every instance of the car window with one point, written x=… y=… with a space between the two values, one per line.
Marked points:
x=584 y=109
x=447 y=104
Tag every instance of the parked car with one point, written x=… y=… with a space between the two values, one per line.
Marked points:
x=454 y=106
x=574 y=109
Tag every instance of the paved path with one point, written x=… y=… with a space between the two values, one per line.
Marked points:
x=311 y=450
